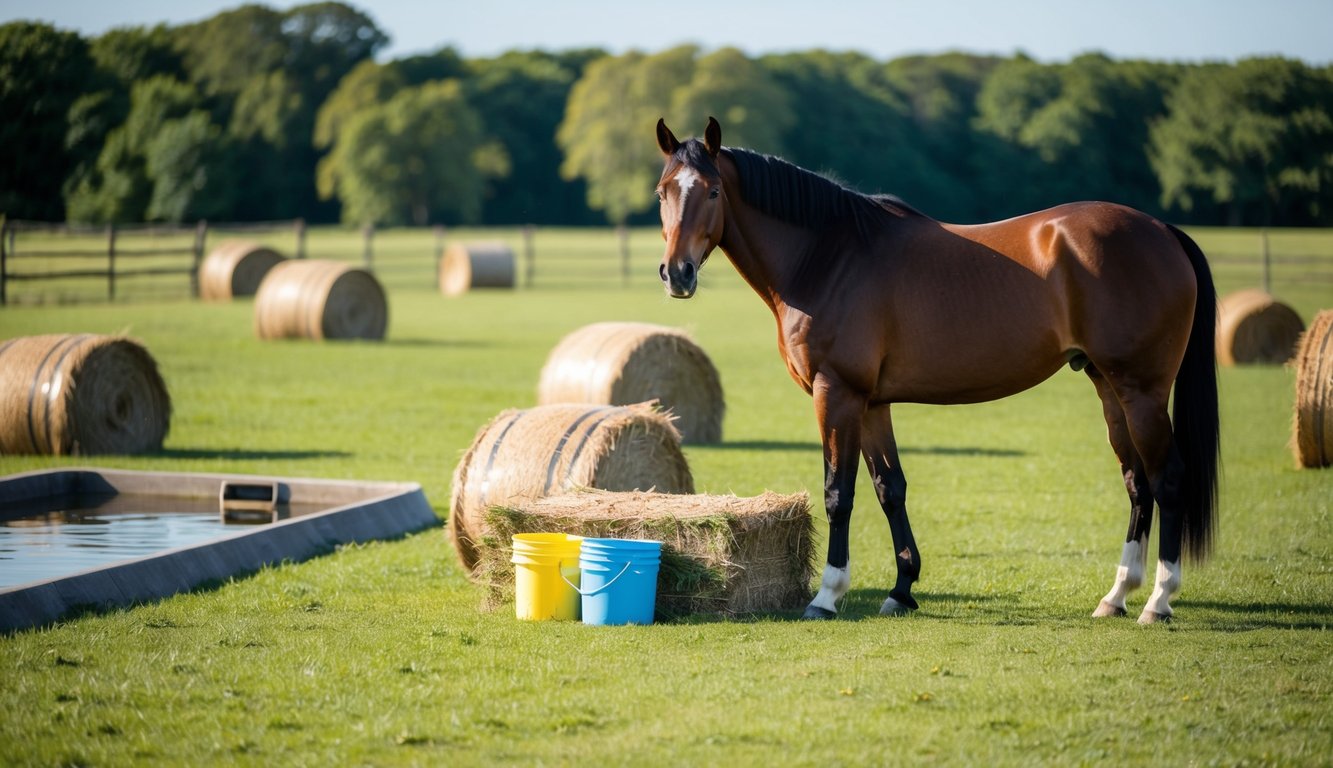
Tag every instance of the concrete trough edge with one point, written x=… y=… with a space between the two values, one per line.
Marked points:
x=359 y=512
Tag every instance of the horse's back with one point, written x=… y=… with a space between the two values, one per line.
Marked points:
x=995 y=308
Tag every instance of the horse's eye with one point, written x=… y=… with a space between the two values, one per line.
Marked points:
x=658 y=192
x=712 y=193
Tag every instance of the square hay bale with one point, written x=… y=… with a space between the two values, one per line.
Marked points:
x=720 y=554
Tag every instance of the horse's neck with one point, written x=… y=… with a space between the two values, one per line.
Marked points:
x=767 y=253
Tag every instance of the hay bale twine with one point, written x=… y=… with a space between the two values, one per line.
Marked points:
x=316 y=299
x=465 y=266
x=720 y=554
x=1312 y=423
x=528 y=454
x=235 y=268
x=622 y=363
x=67 y=394
x=1253 y=327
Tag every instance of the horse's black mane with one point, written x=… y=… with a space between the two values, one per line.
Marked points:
x=808 y=199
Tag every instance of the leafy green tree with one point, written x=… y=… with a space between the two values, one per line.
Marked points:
x=520 y=97
x=753 y=109
x=43 y=72
x=265 y=73
x=420 y=157
x=939 y=94
x=854 y=124
x=607 y=131
x=167 y=162
x=1256 y=138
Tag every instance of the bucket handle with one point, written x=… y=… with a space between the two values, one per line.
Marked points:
x=560 y=569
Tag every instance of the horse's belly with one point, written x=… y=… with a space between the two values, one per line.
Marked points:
x=968 y=372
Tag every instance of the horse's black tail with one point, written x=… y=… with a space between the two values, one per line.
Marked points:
x=1194 y=415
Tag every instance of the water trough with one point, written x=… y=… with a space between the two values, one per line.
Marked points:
x=283 y=519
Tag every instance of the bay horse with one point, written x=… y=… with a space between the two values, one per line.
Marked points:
x=877 y=303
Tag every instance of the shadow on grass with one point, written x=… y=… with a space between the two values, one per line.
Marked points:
x=1251 y=616
x=863 y=603
x=813 y=447
x=437 y=343
x=243 y=454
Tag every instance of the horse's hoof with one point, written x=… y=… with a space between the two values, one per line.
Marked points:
x=815 y=613
x=1105 y=610
x=892 y=607
x=1153 y=617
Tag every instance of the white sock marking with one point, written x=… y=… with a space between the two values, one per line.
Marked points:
x=1168 y=583
x=832 y=587
x=1129 y=575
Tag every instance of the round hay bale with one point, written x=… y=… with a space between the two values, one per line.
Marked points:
x=1312 y=423
x=533 y=453
x=83 y=394
x=624 y=363
x=1253 y=327
x=314 y=299
x=235 y=268
x=465 y=266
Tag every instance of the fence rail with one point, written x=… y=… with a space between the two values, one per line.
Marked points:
x=55 y=263
x=33 y=251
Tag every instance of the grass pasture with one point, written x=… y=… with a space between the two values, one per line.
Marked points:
x=381 y=654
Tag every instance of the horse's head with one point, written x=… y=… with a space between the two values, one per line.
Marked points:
x=692 y=206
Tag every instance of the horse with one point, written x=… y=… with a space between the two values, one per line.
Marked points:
x=877 y=303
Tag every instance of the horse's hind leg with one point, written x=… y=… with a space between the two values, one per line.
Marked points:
x=1149 y=425
x=881 y=454
x=1134 y=555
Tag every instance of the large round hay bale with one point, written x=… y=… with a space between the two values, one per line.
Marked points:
x=533 y=453
x=235 y=268
x=465 y=266
x=1312 y=427
x=623 y=363
x=1253 y=327
x=81 y=394
x=315 y=299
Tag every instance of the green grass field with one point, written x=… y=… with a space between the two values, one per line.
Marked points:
x=382 y=654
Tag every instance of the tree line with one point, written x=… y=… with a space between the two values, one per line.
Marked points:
x=261 y=114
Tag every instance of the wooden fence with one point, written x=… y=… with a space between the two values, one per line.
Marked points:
x=71 y=256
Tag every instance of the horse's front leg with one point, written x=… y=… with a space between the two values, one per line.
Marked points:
x=886 y=472
x=839 y=411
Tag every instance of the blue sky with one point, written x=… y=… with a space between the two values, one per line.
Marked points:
x=1048 y=30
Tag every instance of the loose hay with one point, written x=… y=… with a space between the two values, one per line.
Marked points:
x=720 y=554
x=527 y=454
x=80 y=394
x=1312 y=418
x=465 y=266
x=235 y=268
x=1253 y=327
x=315 y=299
x=622 y=363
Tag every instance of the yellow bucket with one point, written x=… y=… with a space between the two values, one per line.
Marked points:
x=540 y=560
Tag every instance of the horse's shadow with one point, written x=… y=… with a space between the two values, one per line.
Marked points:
x=813 y=447
x=863 y=604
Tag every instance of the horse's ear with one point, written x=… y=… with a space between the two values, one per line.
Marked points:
x=713 y=137
x=666 y=140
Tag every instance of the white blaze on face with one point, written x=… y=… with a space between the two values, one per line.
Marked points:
x=686 y=178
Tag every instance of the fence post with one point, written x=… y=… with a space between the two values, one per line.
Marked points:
x=111 y=262
x=4 y=253
x=367 y=236
x=300 y=238
x=1265 y=263
x=623 y=232
x=529 y=254
x=439 y=251
x=200 y=235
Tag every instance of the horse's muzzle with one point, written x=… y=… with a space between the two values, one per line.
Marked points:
x=680 y=281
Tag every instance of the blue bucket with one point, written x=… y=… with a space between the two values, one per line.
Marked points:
x=619 y=580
